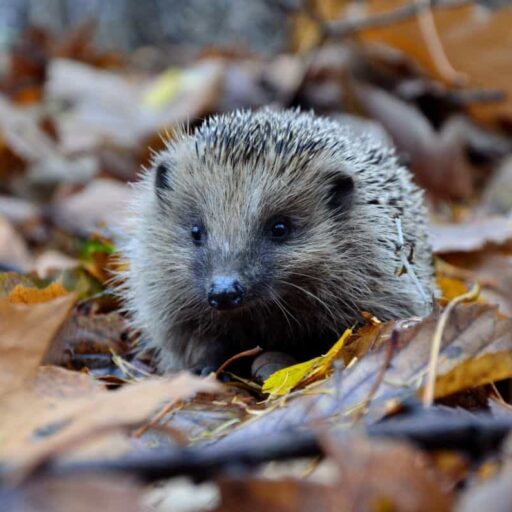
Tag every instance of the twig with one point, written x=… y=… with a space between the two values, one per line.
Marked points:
x=435 y=47
x=246 y=353
x=166 y=409
x=348 y=26
x=428 y=394
x=433 y=429
x=393 y=342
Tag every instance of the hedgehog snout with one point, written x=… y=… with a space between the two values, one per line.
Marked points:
x=225 y=293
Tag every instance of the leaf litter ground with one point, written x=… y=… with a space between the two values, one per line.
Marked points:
x=84 y=420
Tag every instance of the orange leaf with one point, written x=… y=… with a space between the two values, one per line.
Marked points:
x=24 y=295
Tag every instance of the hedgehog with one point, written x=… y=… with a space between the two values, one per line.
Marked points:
x=276 y=229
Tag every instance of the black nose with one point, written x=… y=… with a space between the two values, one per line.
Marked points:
x=226 y=293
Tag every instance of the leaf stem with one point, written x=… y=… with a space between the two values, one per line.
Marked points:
x=429 y=391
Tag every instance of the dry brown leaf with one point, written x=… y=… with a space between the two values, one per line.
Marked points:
x=46 y=167
x=476 y=350
x=101 y=201
x=88 y=334
x=287 y=495
x=9 y=280
x=386 y=475
x=367 y=338
x=451 y=287
x=13 y=249
x=372 y=475
x=497 y=195
x=470 y=236
x=23 y=135
x=70 y=415
x=27 y=331
x=488 y=62
x=438 y=160
x=85 y=493
x=50 y=261
x=494 y=495
x=113 y=108
x=490 y=267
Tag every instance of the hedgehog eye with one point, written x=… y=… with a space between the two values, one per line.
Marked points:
x=197 y=234
x=279 y=229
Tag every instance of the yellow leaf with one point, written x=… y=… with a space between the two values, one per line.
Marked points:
x=477 y=371
x=284 y=380
x=451 y=287
x=165 y=88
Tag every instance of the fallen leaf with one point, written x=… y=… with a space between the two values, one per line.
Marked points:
x=451 y=287
x=437 y=159
x=47 y=263
x=47 y=420
x=8 y=280
x=470 y=236
x=287 y=495
x=494 y=495
x=371 y=475
x=88 y=334
x=123 y=110
x=182 y=495
x=497 y=196
x=101 y=201
x=476 y=350
x=490 y=267
x=27 y=331
x=13 y=249
x=83 y=493
x=19 y=211
x=485 y=32
x=28 y=295
x=283 y=381
x=386 y=475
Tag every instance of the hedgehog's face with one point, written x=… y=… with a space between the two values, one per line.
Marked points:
x=247 y=236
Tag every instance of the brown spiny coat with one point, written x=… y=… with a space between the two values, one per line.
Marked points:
x=339 y=196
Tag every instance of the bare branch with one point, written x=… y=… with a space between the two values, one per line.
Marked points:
x=429 y=429
x=348 y=26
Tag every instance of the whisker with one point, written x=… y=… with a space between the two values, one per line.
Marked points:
x=286 y=313
x=313 y=296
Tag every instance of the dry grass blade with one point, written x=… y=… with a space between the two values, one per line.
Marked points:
x=428 y=395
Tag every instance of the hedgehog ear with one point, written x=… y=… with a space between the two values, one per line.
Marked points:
x=162 y=179
x=341 y=192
